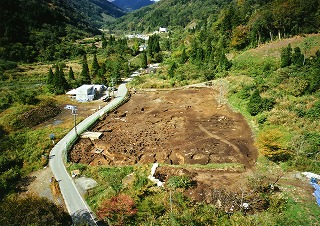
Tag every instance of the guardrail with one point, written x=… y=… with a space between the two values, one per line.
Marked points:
x=73 y=200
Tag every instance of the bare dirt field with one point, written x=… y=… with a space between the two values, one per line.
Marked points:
x=184 y=127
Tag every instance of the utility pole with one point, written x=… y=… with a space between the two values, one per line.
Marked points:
x=112 y=82
x=74 y=112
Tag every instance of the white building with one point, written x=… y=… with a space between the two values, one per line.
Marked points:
x=163 y=30
x=86 y=93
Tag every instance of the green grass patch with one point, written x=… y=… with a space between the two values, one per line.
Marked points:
x=236 y=167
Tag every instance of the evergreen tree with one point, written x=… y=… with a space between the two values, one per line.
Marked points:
x=286 y=56
x=224 y=63
x=56 y=78
x=102 y=70
x=50 y=78
x=71 y=74
x=93 y=48
x=95 y=65
x=255 y=103
x=104 y=41
x=126 y=69
x=184 y=57
x=297 y=57
x=111 y=40
x=193 y=52
x=50 y=81
x=200 y=56
x=62 y=84
x=85 y=74
x=144 y=61
x=153 y=45
x=172 y=69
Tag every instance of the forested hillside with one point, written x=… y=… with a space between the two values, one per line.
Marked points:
x=40 y=30
x=238 y=23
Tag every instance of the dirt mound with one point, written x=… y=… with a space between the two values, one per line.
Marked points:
x=39 y=114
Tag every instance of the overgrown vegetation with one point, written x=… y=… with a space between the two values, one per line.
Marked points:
x=125 y=196
x=32 y=210
x=275 y=86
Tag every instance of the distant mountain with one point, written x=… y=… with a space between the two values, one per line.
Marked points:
x=97 y=12
x=170 y=13
x=130 y=5
x=33 y=29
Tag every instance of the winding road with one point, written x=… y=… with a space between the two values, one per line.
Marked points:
x=77 y=207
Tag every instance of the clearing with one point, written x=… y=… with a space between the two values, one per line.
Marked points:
x=185 y=130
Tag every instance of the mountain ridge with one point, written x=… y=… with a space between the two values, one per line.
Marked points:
x=132 y=5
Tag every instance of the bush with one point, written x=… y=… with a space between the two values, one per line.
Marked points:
x=6 y=65
x=118 y=209
x=32 y=210
x=257 y=104
x=179 y=182
x=272 y=143
x=114 y=176
x=314 y=111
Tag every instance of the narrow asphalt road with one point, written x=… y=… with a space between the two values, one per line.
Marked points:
x=77 y=207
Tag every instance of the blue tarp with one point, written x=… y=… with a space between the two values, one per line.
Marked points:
x=316 y=186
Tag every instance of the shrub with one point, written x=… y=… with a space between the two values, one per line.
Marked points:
x=179 y=182
x=32 y=210
x=115 y=175
x=314 y=111
x=286 y=56
x=272 y=143
x=118 y=209
x=296 y=86
x=7 y=65
x=257 y=104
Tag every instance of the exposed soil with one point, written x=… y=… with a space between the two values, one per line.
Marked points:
x=180 y=128
x=175 y=127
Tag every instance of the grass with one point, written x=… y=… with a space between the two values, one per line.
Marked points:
x=235 y=167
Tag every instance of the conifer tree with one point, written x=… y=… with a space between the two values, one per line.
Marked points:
x=85 y=74
x=104 y=41
x=95 y=65
x=224 y=63
x=62 y=84
x=184 y=57
x=286 y=56
x=50 y=81
x=255 y=103
x=172 y=69
x=50 y=78
x=297 y=57
x=144 y=61
x=56 y=78
x=153 y=45
x=71 y=74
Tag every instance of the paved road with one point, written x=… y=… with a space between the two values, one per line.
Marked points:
x=77 y=207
